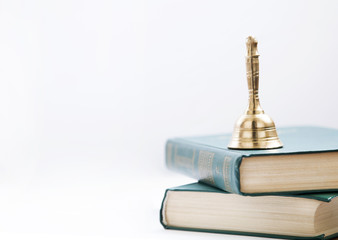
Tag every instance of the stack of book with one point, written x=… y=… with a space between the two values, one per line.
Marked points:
x=283 y=193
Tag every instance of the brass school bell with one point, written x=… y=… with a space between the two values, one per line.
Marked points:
x=254 y=129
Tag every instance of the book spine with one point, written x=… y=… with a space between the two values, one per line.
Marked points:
x=213 y=166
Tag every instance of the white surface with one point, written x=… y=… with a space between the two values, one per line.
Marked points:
x=90 y=91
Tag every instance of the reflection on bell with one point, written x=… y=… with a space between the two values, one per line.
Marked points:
x=254 y=129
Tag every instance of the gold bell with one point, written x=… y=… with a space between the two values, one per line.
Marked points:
x=254 y=129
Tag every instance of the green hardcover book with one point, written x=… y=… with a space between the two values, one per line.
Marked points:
x=199 y=207
x=308 y=162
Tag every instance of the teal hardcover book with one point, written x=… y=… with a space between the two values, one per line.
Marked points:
x=308 y=162
x=199 y=207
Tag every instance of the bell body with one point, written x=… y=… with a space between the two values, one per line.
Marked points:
x=254 y=129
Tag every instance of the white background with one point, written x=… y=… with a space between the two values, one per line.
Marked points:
x=90 y=91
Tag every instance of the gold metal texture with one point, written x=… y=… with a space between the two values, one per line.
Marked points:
x=254 y=129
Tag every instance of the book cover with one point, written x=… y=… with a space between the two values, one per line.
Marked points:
x=292 y=214
x=207 y=159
